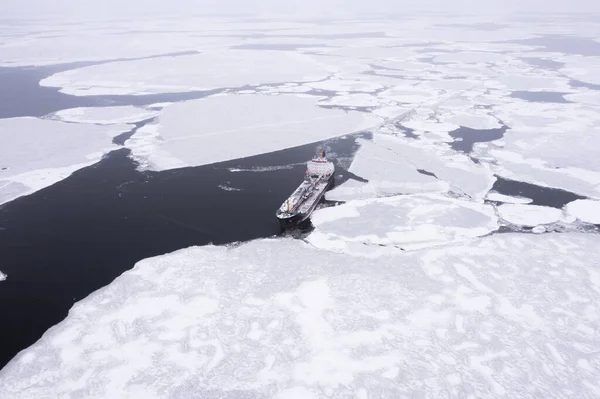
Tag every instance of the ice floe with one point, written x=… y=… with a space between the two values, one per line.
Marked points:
x=585 y=210
x=105 y=115
x=529 y=215
x=227 y=127
x=352 y=100
x=277 y=318
x=204 y=71
x=349 y=85
x=2 y=276
x=96 y=44
x=394 y=165
x=493 y=196
x=402 y=222
x=37 y=153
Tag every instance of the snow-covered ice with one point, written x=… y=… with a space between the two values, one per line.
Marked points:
x=36 y=153
x=493 y=196
x=277 y=318
x=97 y=43
x=348 y=85
x=105 y=115
x=403 y=222
x=529 y=215
x=394 y=165
x=585 y=210
x=227 y=127
x=204 y=71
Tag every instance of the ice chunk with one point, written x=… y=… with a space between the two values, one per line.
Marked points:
x=529 y=215
x=221 y=128
x=585 y=210
x=2 y=276
x=36 y=153
x=493 y=196
x=186 y=324
x=205 y=71
x=105 y=115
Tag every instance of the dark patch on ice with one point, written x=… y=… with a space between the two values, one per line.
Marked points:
x=544 y=63
x=564 y=44
x=543 y=196
x=406 y=131
x=276 y=46
x=63 y=242
x=426 y=173
x=540 y=96
x=123 y=137
x=579 y=84
x=465 y=138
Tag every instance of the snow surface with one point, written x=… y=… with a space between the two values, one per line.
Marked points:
x=221 y=128
x=105 y=115
x=277 y=318
x=585 y=210
x=37 y=153
x=529 y=215
x=204 y=71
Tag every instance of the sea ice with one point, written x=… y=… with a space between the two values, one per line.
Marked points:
x=394 y=165
x=105 y=115
x=37 y=153
x=227 y=127
x=341 y=84
x=352 y=100
x=406 y=222
x=2 y=276
x=529 y=215
x=204 y=71
x=85 y=44
x=493 y=196
x=278 y=318
x=585 y=210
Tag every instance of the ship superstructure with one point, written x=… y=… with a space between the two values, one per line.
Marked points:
x=303 y=201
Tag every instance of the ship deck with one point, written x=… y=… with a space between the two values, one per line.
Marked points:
x=304 y=197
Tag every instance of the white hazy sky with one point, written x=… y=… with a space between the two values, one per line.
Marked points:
x=101 y=8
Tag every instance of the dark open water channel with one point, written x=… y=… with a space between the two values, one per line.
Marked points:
x=63 y=242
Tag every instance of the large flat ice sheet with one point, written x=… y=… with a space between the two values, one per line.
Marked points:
x=105 y=115
x=36 y=153
x=405 y=222
x=221 y=128
x=99 y=43
x=205 y=71
x=276 y=318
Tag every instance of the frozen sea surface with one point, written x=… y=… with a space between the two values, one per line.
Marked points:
x=36 y=153
x=222 y=128
x=276 y=318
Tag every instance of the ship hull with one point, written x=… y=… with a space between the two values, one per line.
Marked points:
x=300 y=217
